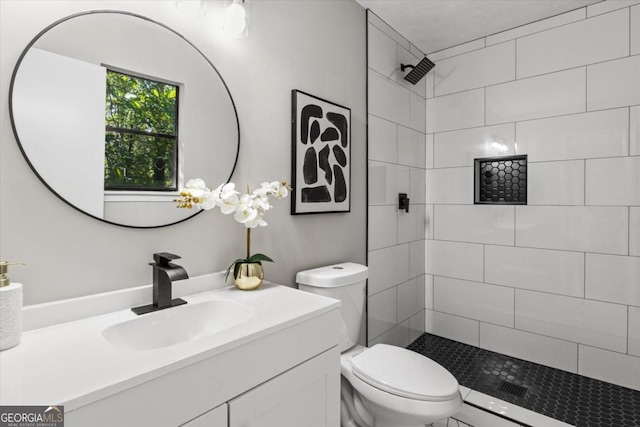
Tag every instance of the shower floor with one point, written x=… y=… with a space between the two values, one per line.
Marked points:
x=570 y=398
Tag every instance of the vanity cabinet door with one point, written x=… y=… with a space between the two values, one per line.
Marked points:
x=307 y=395
x=214 y=418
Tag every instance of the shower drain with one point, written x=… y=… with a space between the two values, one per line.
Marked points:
x=513 y=389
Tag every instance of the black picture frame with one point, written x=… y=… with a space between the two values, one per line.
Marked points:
x=320 y=155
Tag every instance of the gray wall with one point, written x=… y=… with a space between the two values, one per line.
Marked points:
x=315 y=46
x=556 y=281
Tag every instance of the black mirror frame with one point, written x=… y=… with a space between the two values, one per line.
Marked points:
x=24 y=154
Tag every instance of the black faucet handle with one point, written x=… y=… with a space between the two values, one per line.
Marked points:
x=162 y=259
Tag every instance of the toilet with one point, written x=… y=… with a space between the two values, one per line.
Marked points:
x=384 y=385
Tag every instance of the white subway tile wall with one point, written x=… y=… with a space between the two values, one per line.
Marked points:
x=456 y=328
x=609 y=366
x=574 y=45
x=388 y=267
x=635 y=30
x=450 y=186
x=382 y=237
x=578 y=136
x=456 y=111
x=535 y=97
x=634 y=130
x=492 y=224
x=411 y=224
x=608 y=6
x=556 y=183
x=634 y=331
x=547 y=351
x=461 y=297
x=410 y=298
x=634 y=231
x=460 y=148
x=383 y=140
x=543 y=270
x=411 y=147
x=386 y=180
x=595 y=323
x=613 y=84
x=556 y=282
x=536 y=27
x=455 y=259
x=605 y=188
x=492 y=65
x=382 y=52
x=457 y=50
x=399 y=153
x=613 y=278
x=573 y=228
x=382 y=312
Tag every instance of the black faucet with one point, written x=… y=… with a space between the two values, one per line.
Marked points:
x=164 y=273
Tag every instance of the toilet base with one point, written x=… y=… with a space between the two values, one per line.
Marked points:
x=357 y=411
x=366 y=406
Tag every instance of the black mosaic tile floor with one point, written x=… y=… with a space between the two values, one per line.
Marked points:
x=571 y=398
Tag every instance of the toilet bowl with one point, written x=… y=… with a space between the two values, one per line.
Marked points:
x=384 y=385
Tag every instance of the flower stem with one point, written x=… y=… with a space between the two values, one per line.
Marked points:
x=248 y=233
x=248 y=243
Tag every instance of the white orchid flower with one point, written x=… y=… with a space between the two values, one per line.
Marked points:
x=196 y=188
x=248 y=209
x=245 y=212
x=276 y=188
x=261 y=203
x=266 y=188
x=226 y=197
x=228 y=191
x=261 y=192
x=282 y=192
x=208 y=201
x=256 y=222
x=195 y=184
x=228 y=205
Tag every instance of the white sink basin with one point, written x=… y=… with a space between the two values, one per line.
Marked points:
x=177 y=325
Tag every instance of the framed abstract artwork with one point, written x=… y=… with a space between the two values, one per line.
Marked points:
x=321 y=155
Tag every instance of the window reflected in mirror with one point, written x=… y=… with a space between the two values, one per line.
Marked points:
x=141 y=138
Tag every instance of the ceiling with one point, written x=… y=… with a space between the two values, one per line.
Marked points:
x=433 y=25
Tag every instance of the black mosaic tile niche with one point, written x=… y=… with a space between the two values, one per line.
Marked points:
x=501 y=180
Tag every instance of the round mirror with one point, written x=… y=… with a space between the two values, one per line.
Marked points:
x=114 y=112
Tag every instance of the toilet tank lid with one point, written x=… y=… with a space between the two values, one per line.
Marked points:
x=335 y=275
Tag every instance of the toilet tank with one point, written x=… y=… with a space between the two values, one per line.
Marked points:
x=345 y=282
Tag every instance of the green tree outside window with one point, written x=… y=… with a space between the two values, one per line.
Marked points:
x=141 y=134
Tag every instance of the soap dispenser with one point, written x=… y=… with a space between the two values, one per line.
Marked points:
x=10 y=308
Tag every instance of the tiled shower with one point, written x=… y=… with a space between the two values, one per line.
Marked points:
x=557 y=281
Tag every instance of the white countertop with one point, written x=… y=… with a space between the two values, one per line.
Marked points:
x=72 y=364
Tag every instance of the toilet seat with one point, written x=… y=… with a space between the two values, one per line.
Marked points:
x=404 y=373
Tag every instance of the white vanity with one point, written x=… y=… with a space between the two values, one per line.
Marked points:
x=228 y=358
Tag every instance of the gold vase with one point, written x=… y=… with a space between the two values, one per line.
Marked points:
x=248 y=275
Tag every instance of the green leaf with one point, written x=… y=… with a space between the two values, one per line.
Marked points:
x=259 y=258
x=233 y=264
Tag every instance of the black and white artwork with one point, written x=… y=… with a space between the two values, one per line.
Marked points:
x=321 y=158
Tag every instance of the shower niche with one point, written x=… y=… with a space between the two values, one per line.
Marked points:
x=501 y=180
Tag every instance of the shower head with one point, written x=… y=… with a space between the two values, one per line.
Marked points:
x=418 y=71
